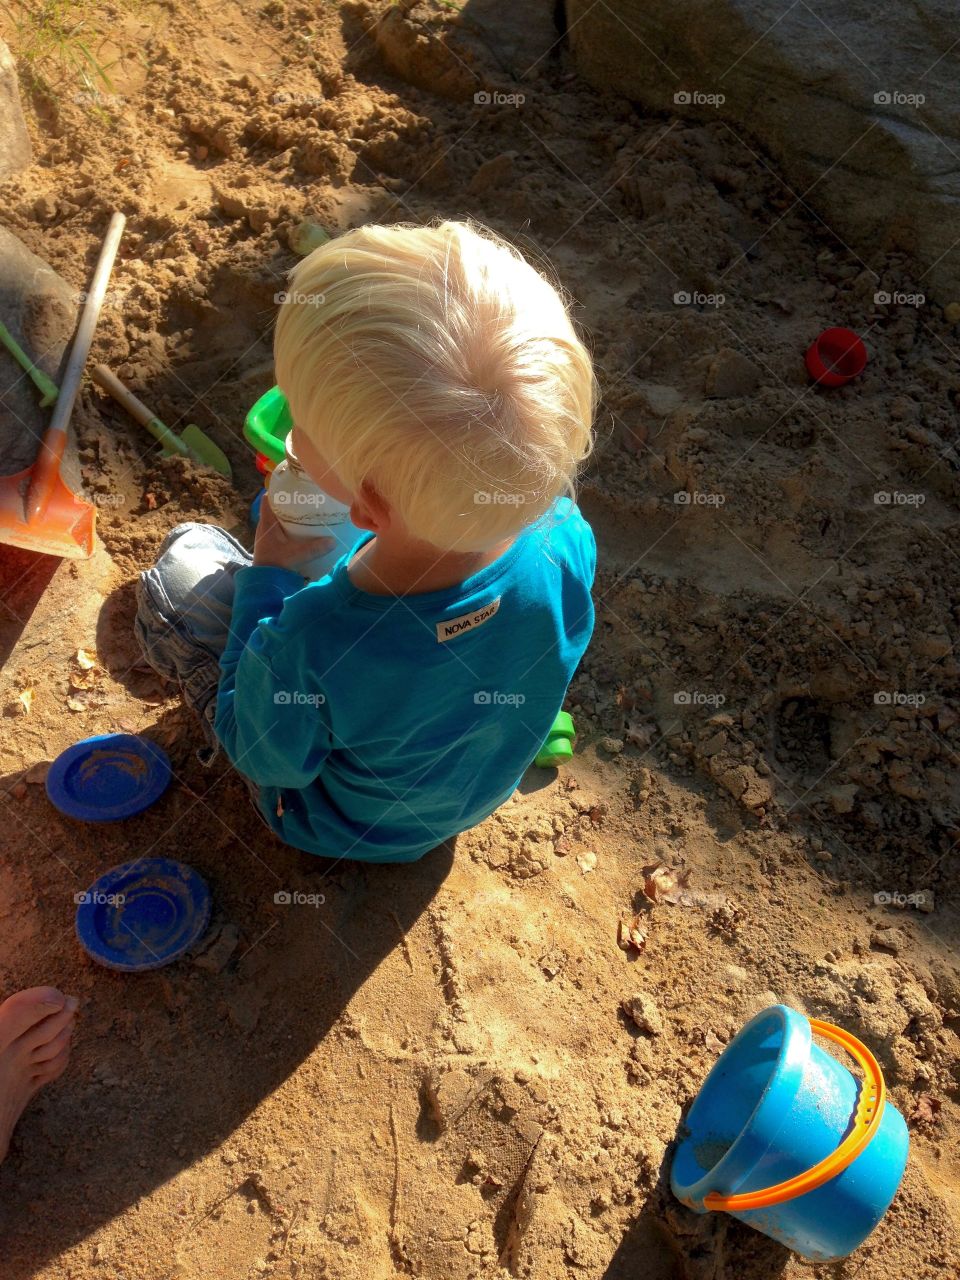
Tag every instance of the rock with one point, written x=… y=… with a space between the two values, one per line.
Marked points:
x=642 y=1011
x=792 y=85
x=658 y=399
x=951 y=313
x=16 y=150
x=889 y=939
x=612 y=746
x=716 y=742
x=843 y=799
x=307 y=236
x=731 y=374
x=742 y=781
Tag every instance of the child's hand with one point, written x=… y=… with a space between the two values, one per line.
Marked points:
x=274 y=546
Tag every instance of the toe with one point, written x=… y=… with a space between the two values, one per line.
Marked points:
x=41 y=1033
x=20 y=1012
x=52 y=1048
x=47 y=1071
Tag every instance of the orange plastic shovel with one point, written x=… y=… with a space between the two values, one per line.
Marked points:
x=37 y=509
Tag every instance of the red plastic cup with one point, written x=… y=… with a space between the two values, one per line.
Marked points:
x=836 y=357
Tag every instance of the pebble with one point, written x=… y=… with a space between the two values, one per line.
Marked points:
x=951 y=313
x=889 y=939
x=307 y=236
x=642 y=1011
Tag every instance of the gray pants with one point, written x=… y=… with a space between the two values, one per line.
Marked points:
x=184 y=605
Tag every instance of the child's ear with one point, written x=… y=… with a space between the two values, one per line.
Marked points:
x=369 y=510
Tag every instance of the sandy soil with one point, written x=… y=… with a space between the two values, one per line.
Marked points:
x=432 y=1073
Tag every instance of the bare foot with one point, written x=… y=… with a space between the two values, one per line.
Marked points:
x=35 y=1030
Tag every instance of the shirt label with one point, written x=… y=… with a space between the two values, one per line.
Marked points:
x=466 y=622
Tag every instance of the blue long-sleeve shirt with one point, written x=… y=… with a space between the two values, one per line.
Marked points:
x=379 y=726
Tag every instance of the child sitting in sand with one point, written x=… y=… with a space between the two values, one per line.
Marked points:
x=437 y=386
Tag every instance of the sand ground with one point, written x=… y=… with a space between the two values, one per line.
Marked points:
x=432 y=1073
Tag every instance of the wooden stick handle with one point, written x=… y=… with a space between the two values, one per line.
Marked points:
x=110 y=383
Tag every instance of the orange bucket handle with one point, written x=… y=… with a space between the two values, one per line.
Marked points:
x=866 y=1120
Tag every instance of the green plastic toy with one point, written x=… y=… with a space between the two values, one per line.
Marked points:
x=558 y=748
x=268 y=424
x=39 y=379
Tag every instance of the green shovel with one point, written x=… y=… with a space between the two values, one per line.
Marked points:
x=191 y=443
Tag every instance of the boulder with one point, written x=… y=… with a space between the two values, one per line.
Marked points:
x=16 y=151
x=861 y=115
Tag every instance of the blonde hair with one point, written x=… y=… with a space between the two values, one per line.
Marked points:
x=437 y=365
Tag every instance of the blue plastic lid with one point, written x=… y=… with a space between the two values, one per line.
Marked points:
x=143 y=914
x=109 y=777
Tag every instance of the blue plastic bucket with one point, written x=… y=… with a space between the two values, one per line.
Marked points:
x=774 y=1106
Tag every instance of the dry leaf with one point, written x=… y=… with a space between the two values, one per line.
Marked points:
x=663 y=884
x=26 y=701
x=631 y=935
x=85 y=659
x=672 y=885
x=78 y=703
x=586 y=861
x=83 y=679
x=713 y=1041
x=638 y=735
